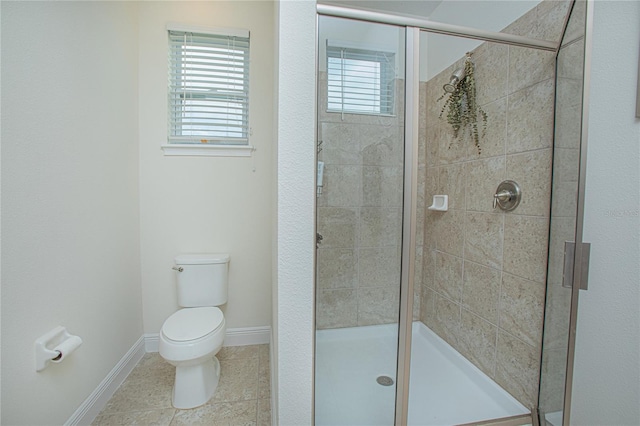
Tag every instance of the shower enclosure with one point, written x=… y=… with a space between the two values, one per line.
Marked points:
x=426 y=313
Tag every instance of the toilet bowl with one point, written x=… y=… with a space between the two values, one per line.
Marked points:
x=189 y=340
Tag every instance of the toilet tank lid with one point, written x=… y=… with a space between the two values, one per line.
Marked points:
x=201 y=259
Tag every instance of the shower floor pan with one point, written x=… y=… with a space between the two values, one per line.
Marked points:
x=445 y=388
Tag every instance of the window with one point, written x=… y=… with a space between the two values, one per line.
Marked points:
x=360 y=81
x=208 y=87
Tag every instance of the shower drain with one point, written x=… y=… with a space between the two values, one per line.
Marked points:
x=384 y=380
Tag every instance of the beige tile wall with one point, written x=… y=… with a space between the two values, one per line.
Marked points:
x=359 y=216
x=484 y=270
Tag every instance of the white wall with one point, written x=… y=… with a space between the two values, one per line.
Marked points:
x=440 y=51
x=607 y=364
x=70 y=246
x=0 y=225
x=206 y=204
x=274 y=225
x=293 y=301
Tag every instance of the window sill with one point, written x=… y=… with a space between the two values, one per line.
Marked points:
x=375 y=114
x=203 y=150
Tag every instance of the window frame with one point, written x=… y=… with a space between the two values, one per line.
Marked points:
x=386 y=82
x=209 y=145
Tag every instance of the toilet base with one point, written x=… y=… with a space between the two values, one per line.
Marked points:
x=195 y=384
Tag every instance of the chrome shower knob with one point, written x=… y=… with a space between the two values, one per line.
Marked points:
x=507 y=196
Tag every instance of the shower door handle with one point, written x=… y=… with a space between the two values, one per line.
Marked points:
x=569 y=264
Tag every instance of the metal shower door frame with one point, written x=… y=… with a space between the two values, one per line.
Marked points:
x=409 y=220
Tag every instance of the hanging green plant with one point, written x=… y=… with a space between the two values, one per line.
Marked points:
x=461 y=106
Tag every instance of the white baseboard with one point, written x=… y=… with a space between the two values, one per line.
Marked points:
x=233 y=337
x=151 y=342
x=91 y=407
x=247 y=336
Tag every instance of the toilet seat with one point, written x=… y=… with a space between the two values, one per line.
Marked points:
x=189 y=324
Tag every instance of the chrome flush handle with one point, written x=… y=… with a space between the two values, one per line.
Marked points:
x=178 y=268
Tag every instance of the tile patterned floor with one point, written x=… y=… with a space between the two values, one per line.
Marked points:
x=242 y=398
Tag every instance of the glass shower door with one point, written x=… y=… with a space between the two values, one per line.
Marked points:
x=360 y=148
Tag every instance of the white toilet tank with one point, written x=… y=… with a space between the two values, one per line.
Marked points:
x=203 y=280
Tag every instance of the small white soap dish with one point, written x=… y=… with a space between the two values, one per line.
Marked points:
x=440 y=203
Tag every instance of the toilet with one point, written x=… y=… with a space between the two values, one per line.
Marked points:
x=192 y=336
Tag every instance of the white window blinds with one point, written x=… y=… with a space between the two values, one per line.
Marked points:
x=360 y=81
x=208 y=88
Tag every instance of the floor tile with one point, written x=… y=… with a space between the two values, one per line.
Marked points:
x=238 y=380
x=235 y=352
x=137 y=395
x=242 y=396
x=151 y=417
x=264 y=379
x=220 y=413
